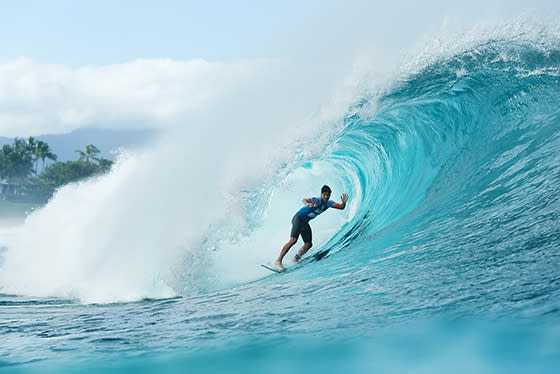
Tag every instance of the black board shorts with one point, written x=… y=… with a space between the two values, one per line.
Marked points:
x=299 y=226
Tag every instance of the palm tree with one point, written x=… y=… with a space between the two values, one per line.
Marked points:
x=32 y=148
x=16 y=163
x=21 y=159
x=91 y=152
x=43 y=153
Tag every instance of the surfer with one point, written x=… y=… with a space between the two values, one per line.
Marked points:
x=300 y=223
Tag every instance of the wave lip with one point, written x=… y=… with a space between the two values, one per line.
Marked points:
x=451 y=140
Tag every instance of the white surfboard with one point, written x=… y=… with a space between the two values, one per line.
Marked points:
x=273 y=268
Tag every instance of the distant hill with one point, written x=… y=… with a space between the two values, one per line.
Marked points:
x=107 y=141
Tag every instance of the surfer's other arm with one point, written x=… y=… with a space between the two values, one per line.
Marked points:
x=344 y=199
x=308 y=202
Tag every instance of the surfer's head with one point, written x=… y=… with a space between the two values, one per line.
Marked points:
x=326 y=193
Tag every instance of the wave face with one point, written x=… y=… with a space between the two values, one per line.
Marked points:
x=459 y=173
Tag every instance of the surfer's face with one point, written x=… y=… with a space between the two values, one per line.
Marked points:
x=325 y=196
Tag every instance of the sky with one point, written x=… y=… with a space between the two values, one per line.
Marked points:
x=78 y=33
x=66 y=65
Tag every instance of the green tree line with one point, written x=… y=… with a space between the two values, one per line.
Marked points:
x=20 y=162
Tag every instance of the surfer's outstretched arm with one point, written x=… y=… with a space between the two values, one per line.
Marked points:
x=344 y=199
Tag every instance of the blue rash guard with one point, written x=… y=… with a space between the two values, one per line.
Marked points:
x=319 y=206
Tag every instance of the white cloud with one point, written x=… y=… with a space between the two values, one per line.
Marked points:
x=37 y=99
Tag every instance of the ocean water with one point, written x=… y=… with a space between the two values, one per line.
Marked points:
x=446 y=260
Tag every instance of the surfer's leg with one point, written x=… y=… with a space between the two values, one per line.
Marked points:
x=307 y=241
x=306 y=247
x=298 y=226
x=285 y=250
x=294 y=234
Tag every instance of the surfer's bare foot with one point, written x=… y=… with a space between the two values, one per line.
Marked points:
x=279 y=265
x=297 y=258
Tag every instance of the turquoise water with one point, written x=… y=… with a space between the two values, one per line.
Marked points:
x=449 y=263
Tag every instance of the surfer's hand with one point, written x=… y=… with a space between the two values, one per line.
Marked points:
x=307 y=202
x=344 y=198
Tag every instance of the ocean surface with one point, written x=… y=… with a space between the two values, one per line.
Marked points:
x=447 y=258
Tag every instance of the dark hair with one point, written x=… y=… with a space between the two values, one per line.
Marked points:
x=326 y=189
